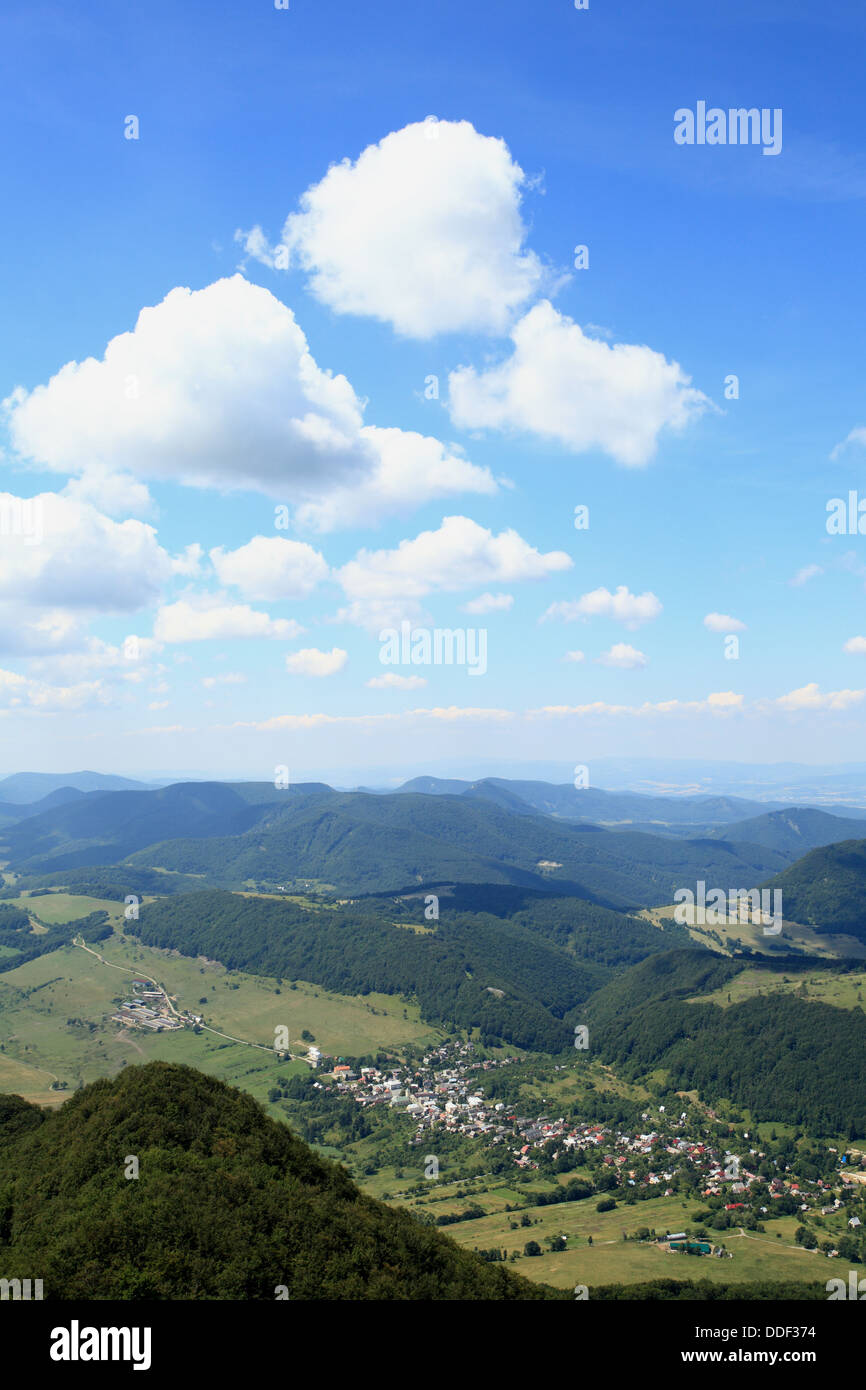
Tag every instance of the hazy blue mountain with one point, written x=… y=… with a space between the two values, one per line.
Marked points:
x=22 y=787
x=659 y=814
x=103 y=827
x=795 y=831
x=358 y=843
x=11 y=812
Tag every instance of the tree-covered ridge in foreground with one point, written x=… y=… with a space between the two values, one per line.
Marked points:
x=228 y=1204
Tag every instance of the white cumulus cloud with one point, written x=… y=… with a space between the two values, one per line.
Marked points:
x=622 y=655
x=271 y=567
x=208 y=617
x=217 y=388
x=722 y=622
x=811 y=697
x=409 y=470
x=561 y=385
x=312 y=662
x=622 y=606
x=67 y=554
x=458 y=555
x=423 y=231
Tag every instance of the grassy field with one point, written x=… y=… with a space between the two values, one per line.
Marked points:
x=769 y=1255
x=66 y=907
x=611 y=1260
x=24 y=1079
x=793 y=937
x=842 y=991
x=38 y=1000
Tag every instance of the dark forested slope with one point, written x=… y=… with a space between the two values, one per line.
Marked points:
x=781 y=1057
x=542 y=961
x=826 y=889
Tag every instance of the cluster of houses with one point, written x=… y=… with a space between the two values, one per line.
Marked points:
x=443 y=1091
x=439 y=1091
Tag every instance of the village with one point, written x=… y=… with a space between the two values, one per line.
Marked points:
x=443 y=1092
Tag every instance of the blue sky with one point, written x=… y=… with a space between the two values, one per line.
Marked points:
x=441 y=249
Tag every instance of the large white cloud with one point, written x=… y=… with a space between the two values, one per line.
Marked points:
x=271 y=567
x=39 y=632
x=424 y=231
x=20 y=693
x=410 y=469
x=62 y=553
x=115 y=494
x=561 y=385
x=459 y=555
x=129 y=663
x=212 y=387
x=218 y=388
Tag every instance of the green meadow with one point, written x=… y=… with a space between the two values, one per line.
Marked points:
x=55 y=908
x=55 y=1018
x=827 y=987
x=611 y=1260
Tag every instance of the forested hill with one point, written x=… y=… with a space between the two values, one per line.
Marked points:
x=227 y=1205
x=826 y=889
x=780 y=1057
x=795 y=830
x=516 y=976
x=356 y=842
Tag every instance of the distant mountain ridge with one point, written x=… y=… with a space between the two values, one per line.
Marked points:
x=11 y=812
x=622 y=850
x=23 y=787
x=659 y=814
x=104 y=827
x=360 y=843
x=795 y=830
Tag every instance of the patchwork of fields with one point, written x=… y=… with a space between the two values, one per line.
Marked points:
x=756 y=1257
